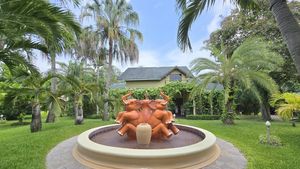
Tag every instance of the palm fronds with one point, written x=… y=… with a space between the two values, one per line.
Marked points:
x=191 y=9
x=286 y=103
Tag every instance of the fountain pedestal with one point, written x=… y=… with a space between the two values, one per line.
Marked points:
x=112 y=154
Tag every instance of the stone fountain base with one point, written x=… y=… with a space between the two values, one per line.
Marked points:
x=102 y=148
x=60 y=157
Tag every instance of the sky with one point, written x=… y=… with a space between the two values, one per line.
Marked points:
x=158 y=23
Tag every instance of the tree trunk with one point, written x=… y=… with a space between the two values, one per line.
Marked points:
x=51 y=113
x=78 y=114
x=36 y=120
x=108 y=82
x=97 y=94
x=265 y=111
x=194 y=107
x=288 y=27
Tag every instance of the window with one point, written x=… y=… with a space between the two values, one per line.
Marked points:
x=175 y=77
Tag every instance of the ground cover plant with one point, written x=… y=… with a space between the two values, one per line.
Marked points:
x=22 y=149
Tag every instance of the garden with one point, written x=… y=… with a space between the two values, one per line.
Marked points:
x=246 y=93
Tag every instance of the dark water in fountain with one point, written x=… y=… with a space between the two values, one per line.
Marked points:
x=108 y=136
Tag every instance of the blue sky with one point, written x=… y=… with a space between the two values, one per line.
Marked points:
x=158 y=23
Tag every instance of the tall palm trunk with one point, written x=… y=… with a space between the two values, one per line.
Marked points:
x=108 y=82
x=36 y=120
x=288 y=27
x=78 y=111
x=265 y=111
x=51 y=113
x=265 y=106
x=97 y=94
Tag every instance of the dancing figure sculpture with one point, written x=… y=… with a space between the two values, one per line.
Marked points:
x=148 y=111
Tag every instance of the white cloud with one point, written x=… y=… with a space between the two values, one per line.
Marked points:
x=219 y=10
x=177 y=57
x=146 y=59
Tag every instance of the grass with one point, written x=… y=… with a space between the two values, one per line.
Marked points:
x=21 y=149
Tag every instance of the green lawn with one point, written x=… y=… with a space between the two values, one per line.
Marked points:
x=19 y=149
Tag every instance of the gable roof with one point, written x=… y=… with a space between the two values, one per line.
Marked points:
x=152 y=73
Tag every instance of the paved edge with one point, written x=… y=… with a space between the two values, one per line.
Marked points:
x=60 y=157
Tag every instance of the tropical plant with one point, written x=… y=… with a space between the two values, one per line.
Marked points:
x=21 y=20
x=88 y=49
x=286 y=104
x=246 y=68
x=241 y=24
x=34 y=24
x=115 y=20
x=80 y=89
x=79 y=82
x=66 y=37
x=287 y=24
x=33 y=85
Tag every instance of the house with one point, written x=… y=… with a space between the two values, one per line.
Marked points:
x=154 y=77
x=149 y=77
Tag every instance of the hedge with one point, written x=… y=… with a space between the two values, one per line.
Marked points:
x=203 y=117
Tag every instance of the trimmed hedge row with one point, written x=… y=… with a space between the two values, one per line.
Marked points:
x=203 y=117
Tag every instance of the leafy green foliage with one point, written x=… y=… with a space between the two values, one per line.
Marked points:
x=33 y=24
x=116 y=23
x=204 y=105
x=191 y=9
x=274 y=140
x=242 y=24
x=246 y=69
x=287 y=104
x=228 y=118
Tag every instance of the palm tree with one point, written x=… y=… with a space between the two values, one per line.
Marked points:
x=66 y=38
x=52 y=29
x=287 y=24
x=88 y=49
x=247 y=68
x=33 y=85
x=80 y=89
x=79 y=83
x=116 y=20
x=21 y=20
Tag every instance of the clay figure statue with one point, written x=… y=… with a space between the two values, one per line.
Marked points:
x=130 y=118
x=148 y=111
x=160 y=112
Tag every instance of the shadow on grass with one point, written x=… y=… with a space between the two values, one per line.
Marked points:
x=20 y=123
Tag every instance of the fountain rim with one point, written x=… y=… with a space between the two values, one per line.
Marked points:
x=83 y=141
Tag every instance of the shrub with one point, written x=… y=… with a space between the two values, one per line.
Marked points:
x=203 y=117
x=228 y=118
x=274 y=140
x=21 y=117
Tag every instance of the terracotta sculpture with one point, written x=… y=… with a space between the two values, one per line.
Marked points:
x=160 y=112
x=148 y=111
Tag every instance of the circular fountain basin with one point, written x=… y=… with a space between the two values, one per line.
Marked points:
x=103 y=148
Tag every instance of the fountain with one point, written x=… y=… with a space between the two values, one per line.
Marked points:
x=146 y=138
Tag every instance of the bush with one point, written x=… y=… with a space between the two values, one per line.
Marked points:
x=203 y=117
x=228 y=118
x=274 y=140
x=21 y=117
